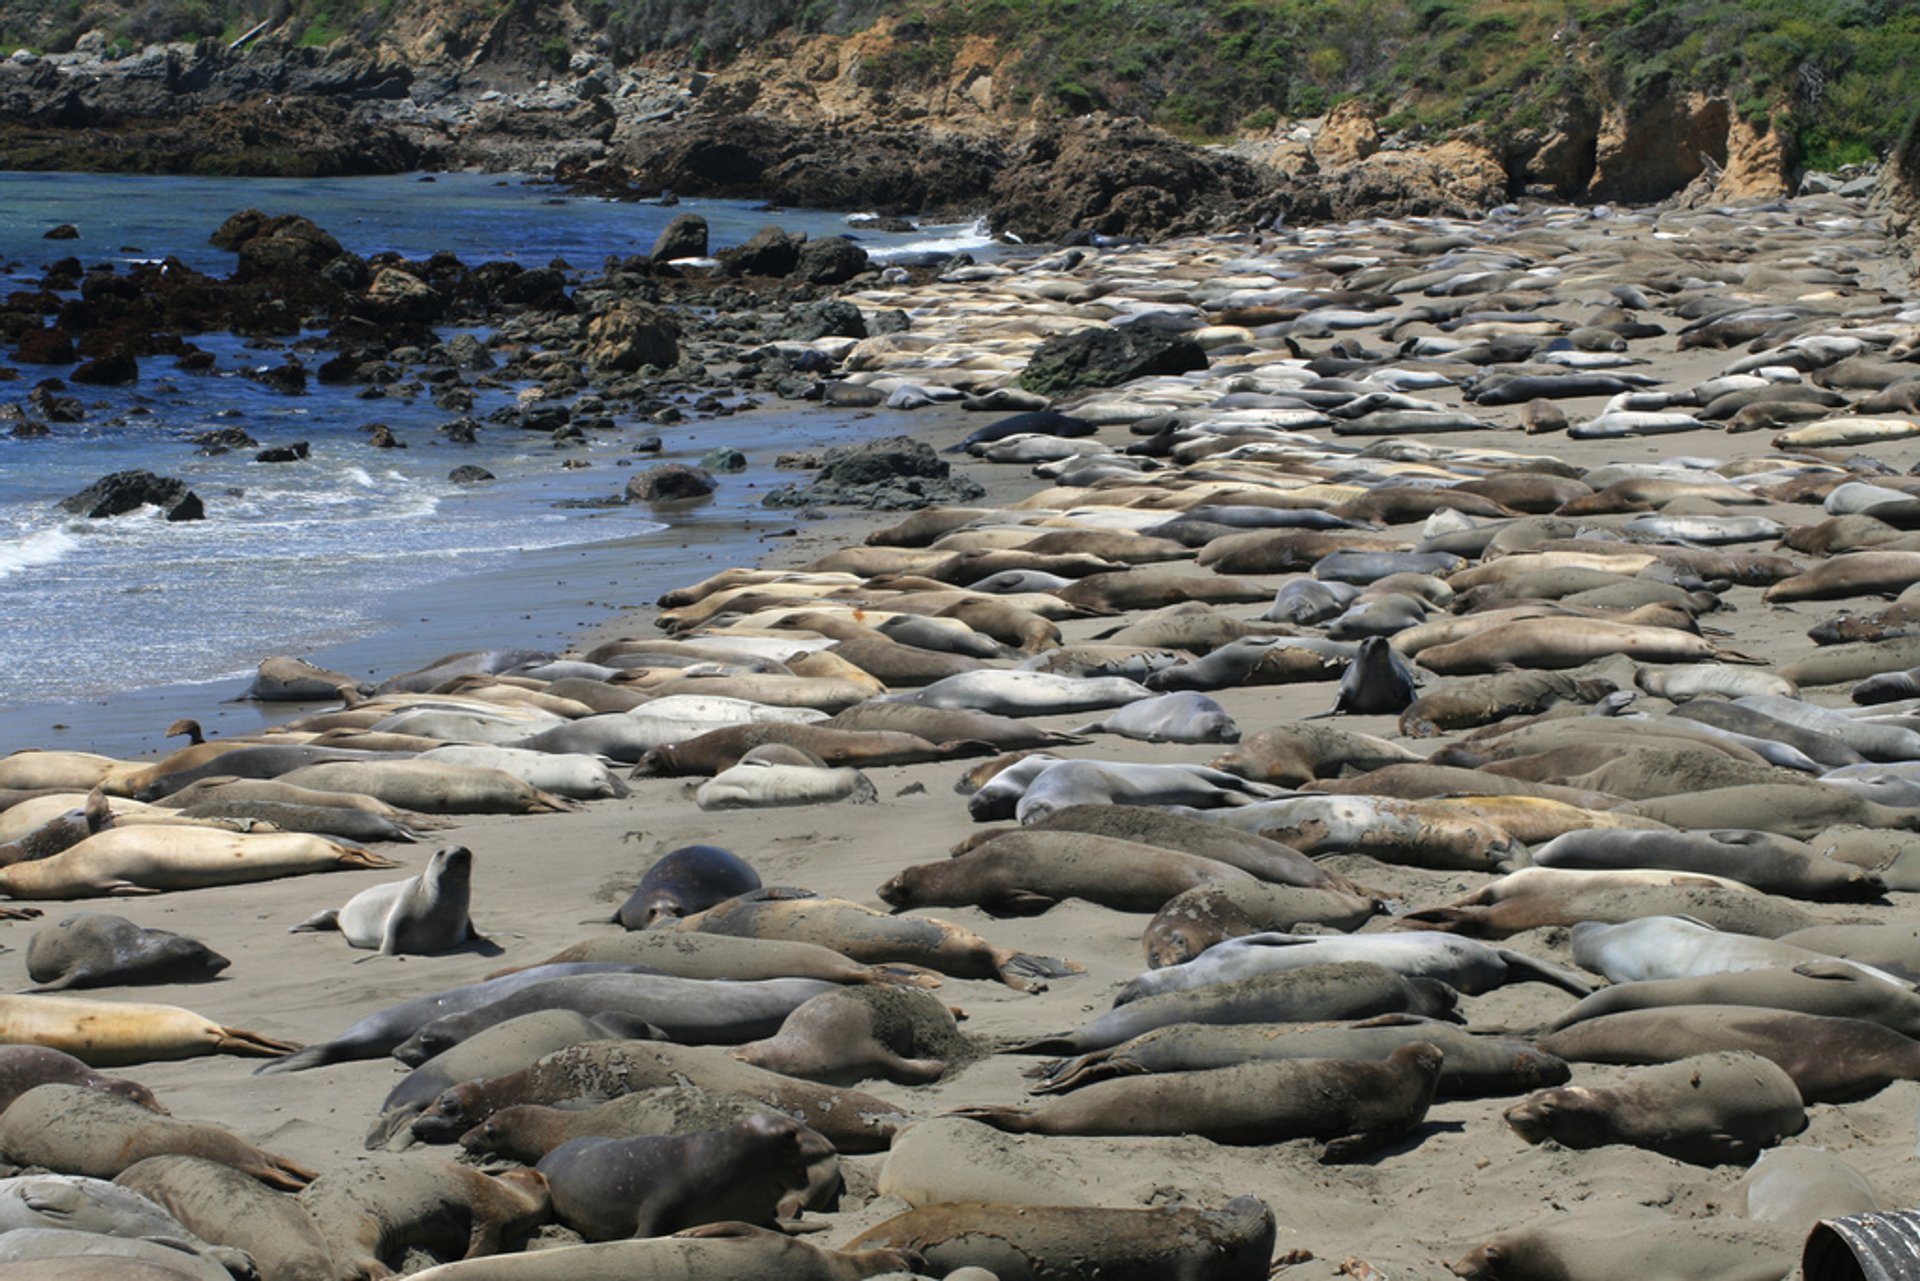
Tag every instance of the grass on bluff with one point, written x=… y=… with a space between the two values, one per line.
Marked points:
x=1842 y=76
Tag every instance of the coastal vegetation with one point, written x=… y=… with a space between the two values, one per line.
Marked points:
x=1839 y=76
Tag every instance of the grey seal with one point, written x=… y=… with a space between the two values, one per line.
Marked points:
x=94 y=949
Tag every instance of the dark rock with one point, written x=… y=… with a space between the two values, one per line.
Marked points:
x=226 y=438
x=468 y=474
x=540 y=289
x=294 y=453
x=44 y=347
x=460 y=430
x=65 y=231
x=195 y=361
x=670 y=483
x=830 y=261
x=724 y=459
x=115 y=369
x=830 y=318
x=796 y=462
x=1101 y=356
x=892 y=474
x=381 y=436
x=289 y=379
x=126 y=491
x=684 y=237
x=890 y=321
x=767 y=252
x=648 y=445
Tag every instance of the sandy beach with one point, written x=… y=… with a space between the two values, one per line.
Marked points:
x=545 y=881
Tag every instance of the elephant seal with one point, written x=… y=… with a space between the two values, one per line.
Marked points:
x=62 y=832
x=720 y=749
x=110 y=1034
x=1470 y=701
x=79 y=1131
x=1194 y=920
x=507 y=1046
x=849 y=1119
x=1475 y=1066
x=526 y=1132
x=944 y=725
x=374 y=1214
x=423 y=915
x=1377 y=682
x=1827 y=988
x=689 y=1011
x=750 y=785
x=1353 y=1108
x=432 y=787
x=1267 y=859
x=93 y=949
x=851 y=1034
x=220 y=1204
x=1604 y=1244
x=22 y=1067
x=294 y=680
x=1024 y=874
x=1668 y=947
x=1314 y=993
x=1034 y=1243
x=92 y=1207
x=722 y=956
x=1465 y=964
x=1769 y=863
x=27 y=1252
x=690 y=879
x=1545 y=896
x=1797 y=1187
x=863 y=934
x=611 y=1189
x=1290 y=755
x=1182 y=717
x=1886 y=946
x=716 y=1252
x=1711 y=1109
x=1018 y=693
x=1831 y=1060
x=150 y=859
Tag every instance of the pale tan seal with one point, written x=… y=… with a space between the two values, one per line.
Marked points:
x=79 y=1131
x=111 y=1033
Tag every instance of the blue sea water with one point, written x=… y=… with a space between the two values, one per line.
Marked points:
x=358 y=555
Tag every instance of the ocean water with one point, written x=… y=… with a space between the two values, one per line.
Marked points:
x=358 y=555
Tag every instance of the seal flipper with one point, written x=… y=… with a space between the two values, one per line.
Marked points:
x=318 y=922
x=1524 y=967
x=1018 y=903
x=1014 y=1120
x=1026 y=965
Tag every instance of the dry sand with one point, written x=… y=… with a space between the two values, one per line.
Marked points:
x=544 y=882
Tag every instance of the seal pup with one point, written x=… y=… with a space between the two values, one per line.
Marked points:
x=94 y=949
x=24 y=1066
x=423 y=915
x=690 y=879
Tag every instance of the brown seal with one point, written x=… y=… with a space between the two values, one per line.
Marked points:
x=1297 y=753
x=1268 y=859
x=1607 y=1243
x=715 y=1252
x=852 y=1034
x=609 y=1189
x=850 y=1120
x=1025 y=873
x=1354 y=1108
x=372 y=1215
x=22 y=1067
x=1016 y=1242
x=526 y=1132
x=75 y=1130
x=1193 y=921
x=220 y=1204
x=1710 y=1109
x=1831 y=1060
x=719 y=749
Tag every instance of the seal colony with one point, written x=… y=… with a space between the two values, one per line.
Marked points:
x=1470 y=615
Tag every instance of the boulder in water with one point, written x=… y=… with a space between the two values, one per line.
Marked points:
x=126 y=491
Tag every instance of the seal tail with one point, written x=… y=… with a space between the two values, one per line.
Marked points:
x=234 y=1040
x=353 y=856
x=1027 y=965
x=279 y=1172
x=904 y=976
x=1526 y=967
x=1447 y=920
x=1058 y=1043
x=312 y=1056
x=1014 y=1120
x=1735 y=656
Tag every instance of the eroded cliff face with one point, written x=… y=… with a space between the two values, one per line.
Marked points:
x=1897 y=196
x=885 y=119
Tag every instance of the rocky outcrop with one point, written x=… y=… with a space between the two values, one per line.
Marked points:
x=1348 y=136
x=895 y=474
x=1102 y=356
x=1116 y=176
x=628 y=335
x=671 y=483
x=127 y=491
x=1897 y=194
x=684 y=237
